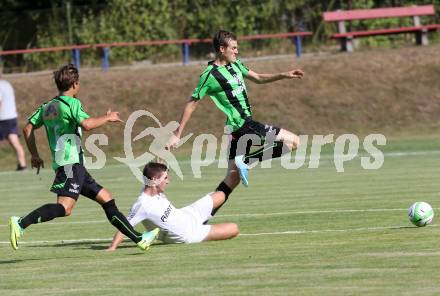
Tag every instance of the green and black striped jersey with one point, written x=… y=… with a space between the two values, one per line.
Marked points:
x=61 y=117
x=225 y=85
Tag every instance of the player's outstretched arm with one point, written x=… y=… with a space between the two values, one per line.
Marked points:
x=186 y=115
x=266 y=78
x=117 y=240
x=36 y=161
x=95 y=122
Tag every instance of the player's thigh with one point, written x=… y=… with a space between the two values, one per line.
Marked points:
x=200 y=209
x=92 y=190
x=69 y=180
x=5 y=129
x=289 y=138
x=206 y=204
x=222 y=231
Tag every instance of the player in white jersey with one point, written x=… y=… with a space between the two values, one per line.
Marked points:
x=185 y=225
x=8 y=122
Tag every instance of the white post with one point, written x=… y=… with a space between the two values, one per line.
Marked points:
x=346 y=42
x=422 y=35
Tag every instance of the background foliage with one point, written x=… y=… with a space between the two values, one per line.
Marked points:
x=29 y=24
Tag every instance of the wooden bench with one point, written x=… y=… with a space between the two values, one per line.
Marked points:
x=346 y=38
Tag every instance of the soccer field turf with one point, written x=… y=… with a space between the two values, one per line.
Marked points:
x=303 y=232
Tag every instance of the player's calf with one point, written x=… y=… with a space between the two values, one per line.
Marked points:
x=232 y=178
x=220 y=197
x=118 y=220
x=44 y=213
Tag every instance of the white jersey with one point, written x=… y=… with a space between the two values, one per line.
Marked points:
x=8 y=109
x=176 y=225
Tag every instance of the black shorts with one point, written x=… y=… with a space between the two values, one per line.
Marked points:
x=253 y=130
x=73 y=180
x=7 y=127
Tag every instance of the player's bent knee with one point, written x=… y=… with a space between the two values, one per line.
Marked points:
x=295 y=142
x=222 y=231
x=292 y=141
x=68 y=211
x=103 y=196
x=234 y=230
x=68 y=203
x=289 y=139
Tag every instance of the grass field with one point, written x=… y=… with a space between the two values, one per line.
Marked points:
x=303 y=232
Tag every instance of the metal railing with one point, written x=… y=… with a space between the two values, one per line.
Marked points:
x=184 y=43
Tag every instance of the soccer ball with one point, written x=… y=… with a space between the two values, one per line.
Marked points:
x=420 y=214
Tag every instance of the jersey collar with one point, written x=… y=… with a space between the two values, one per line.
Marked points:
x=69 y=97
x=211 y=63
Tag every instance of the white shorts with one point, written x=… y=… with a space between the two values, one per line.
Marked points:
x=199 y=211
x=190 y=228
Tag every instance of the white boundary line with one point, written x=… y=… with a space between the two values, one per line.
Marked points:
x=325 y=156
x=64 y=241
x=312 y=212
x=334 y=230
x=361 y=229
x=252 y=215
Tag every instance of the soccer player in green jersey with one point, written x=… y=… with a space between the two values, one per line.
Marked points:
x=63 y=117
x=223 y=81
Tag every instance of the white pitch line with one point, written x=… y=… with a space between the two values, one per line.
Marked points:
x=323 y=157
x=64 y=241
x=331 y=230
x=72 y=222
x=312 y=212
x=250 y=215
x=242 y=234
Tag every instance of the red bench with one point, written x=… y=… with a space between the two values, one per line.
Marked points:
x=415 y=12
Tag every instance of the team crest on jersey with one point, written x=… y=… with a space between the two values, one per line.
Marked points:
x=237 y=84
x=51 y=110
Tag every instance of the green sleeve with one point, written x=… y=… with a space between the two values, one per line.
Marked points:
x=243 y=68
x=36 y=119
x=202 y=87
x=78 y=112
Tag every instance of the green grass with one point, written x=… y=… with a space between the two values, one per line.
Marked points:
x=328 y=233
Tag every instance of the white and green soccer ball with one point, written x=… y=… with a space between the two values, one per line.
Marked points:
x=420 y=214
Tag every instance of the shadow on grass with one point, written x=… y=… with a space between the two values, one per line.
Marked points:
x=96 y=245
x=125 y=246
x=404 y=227
x=14 y=261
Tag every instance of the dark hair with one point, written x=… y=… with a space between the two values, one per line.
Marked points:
x=221 y=38
x=65 y=77
x=154 y=170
